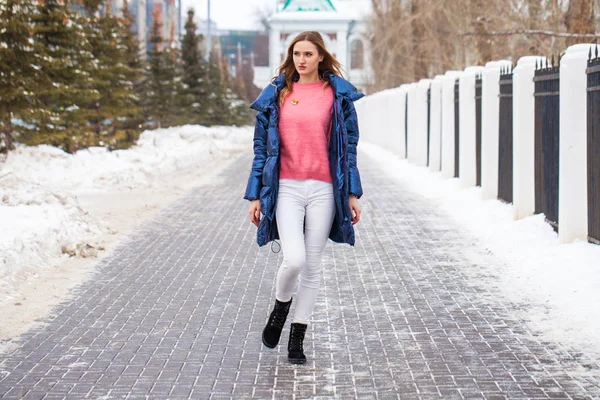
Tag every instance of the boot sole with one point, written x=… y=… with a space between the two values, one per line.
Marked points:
x=269 y=345
x=296 y=361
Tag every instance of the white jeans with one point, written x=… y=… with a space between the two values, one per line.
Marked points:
x=305 y=211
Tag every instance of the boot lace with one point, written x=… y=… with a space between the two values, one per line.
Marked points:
x=297 y=339
x=279 y=317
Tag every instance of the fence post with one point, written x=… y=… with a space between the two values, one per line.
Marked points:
x=435 y=125
x=379 y=113
x=448 y=123
x=413 y=122
x=467 y=143
x=572 y=178
x=490 y=107
x=523 y=136
x=382 y=115
x=419 y=133
x=361 y=111
x=395 y=122
x=402 y=111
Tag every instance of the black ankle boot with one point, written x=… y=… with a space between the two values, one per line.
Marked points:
x=272 y=332
x=295 y=345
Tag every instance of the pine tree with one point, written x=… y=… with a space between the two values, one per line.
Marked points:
x=66 y=61
x=173 y=84
x=247 y=77
x=225 y=107
x=18 y=61
x=133 y=53
x=112 y=78
x=236 y=97
x=239 y=109
x=98 y=32
x=156 y=84
x=195 y=96
x=218 y=107
x=134 y=118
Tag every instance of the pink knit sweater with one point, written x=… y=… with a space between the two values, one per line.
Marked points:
x=304 y=129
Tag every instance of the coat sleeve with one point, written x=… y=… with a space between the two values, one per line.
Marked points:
x=351 y=124
x=260 y=155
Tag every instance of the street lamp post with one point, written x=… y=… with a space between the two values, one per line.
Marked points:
x=208 y=35
x=179 y=21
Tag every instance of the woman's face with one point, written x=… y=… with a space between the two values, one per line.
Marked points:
x=306 y=59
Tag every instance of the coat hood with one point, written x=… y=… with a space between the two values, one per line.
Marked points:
x=269 y=95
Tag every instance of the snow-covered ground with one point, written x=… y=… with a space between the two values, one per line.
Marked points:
x=56 y=209
x=559 y=283
x=60 y=212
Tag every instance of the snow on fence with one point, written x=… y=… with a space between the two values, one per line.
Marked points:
x=528 y=136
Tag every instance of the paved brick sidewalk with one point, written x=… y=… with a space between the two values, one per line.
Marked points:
x=177 y=311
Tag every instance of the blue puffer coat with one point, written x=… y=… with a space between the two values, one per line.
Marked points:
x=263 y=183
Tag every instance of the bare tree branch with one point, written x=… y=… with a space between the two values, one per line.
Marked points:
x=412 y=39
x=532 y=32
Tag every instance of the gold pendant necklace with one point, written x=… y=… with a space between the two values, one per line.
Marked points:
x=294 y=101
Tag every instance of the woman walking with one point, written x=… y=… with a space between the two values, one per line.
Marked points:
x=304 y=179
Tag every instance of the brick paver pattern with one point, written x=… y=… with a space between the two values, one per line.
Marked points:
x=177 y=310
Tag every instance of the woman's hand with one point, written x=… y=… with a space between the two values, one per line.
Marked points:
x=354 y=209
x=255 y=212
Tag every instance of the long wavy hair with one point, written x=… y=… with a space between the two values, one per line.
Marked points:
x=288 y=69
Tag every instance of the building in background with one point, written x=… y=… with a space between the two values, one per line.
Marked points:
x=143 y=12
x=240 y=49
x=244 y=49
x=342 y=23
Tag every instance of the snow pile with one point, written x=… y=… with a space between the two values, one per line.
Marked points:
x=157 y=153
x=40 y=214
x=558 y=282
x=39 y=225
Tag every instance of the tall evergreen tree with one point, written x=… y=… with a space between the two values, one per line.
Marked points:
x=236 y=98
x=156 y=84
x=134 y=118
x=18 y=61
x=246 y=75
x=173 y=84
x=195 y=96
x=97 y=35
x=134 y=53
x=113 y=77
x=225 y=106
x=66 y=61
x=217 y=108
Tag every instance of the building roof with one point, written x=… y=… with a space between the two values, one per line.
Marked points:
x=308 y=5
x=323 y=10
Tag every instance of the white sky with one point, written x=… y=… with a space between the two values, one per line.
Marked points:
x=229 y=14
